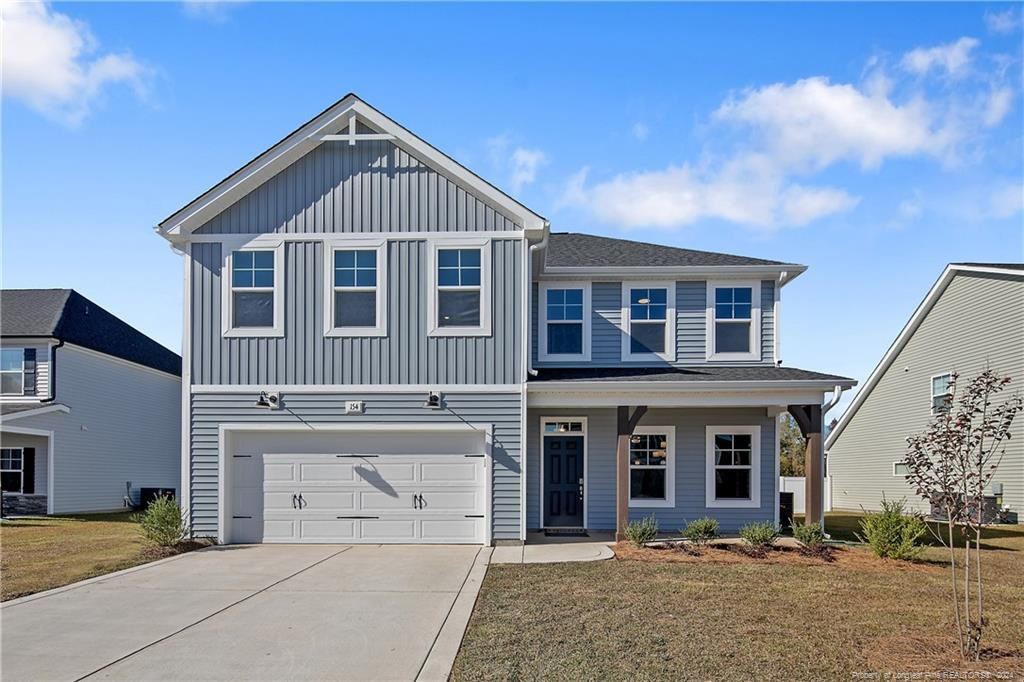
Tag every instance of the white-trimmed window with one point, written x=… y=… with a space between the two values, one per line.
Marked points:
x=649 y=324
x=733 y=466
x=734 y=321
x=253 y=291
x=564 y=324
x=459 y=293
x=12 y=469
x=12 y=371
x=356 y=291
x=652 y=464
x=900 y=469
x=942 y=393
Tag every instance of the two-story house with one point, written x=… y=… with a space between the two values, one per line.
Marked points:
x=380 y=346
x=89 y=407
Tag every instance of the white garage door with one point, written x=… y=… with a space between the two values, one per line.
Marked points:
x=379 y=496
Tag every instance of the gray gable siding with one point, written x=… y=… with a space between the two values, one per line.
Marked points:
x=406 y=356
x=503 y=410
x=691 y=325
x=373 y=186
x=978 y=321
x=689 y=469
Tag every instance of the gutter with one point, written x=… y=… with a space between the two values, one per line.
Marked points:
x=687 y=387
x=528 y=341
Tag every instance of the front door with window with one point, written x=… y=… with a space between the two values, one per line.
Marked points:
x=563 y=481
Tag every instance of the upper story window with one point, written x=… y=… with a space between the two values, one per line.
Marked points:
x=12 y=371
x=733 y=466
x=942 y=394
x=459 y=293
x=564 y=321
x=648 y=311
x=734 y=321
x=652 y=467
x=357 y=294
x=253 y=304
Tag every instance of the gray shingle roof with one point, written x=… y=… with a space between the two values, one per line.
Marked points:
x=683 y=375
x=572 y=249
x=66 y=315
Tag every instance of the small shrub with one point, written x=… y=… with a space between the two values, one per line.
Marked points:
x=892 y=533
x=810 y=535
x=761 y=535
x=701 y=531
x=643 y=531
x=161 y=523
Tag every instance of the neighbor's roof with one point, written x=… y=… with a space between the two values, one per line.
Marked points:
x=66 y=315
x=1012 y=269
x=686 y=375
x=576 y=250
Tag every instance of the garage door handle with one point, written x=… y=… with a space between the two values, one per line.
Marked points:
x=302 y=501
x=295 y=501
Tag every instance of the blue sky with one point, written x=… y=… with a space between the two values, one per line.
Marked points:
x=874 y=143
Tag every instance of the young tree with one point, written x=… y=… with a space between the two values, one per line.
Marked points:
x=792 y=447
x=950 y=465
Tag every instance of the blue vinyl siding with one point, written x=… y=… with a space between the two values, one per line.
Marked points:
x=690 y=455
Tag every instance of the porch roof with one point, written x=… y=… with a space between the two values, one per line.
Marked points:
x=669 y=376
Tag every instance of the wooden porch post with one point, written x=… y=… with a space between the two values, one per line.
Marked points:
x=625 y=424
x=808 y=418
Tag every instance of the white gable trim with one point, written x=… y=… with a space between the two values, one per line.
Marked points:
x=901 y=341
x=333 y=121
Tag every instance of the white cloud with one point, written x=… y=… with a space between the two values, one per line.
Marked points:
x=998 y=105
x=216 y=11
x=953 y=58
x=1007 y=200
x=1003 y=22
x=52 y=63
x=525 y=163
x=909 y=209
x=640 y=131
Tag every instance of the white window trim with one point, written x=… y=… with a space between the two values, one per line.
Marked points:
x=378 y=245
x=710 y=502
x=11 y=371
x=484 y=329
x=227 y=300
x=670 y=469
x=895 y=464
x=932 y=395
x=670 y=322
x=21 y=471
x=755 y=320
x=542 y=325
x=554 y=420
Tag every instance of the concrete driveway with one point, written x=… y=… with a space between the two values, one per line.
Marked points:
x=271 y=612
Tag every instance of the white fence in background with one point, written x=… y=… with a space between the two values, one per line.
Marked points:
x=795 y=485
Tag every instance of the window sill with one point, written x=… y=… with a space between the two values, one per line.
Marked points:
x=564 y=357
x=343 y=332
x=253 y=332
x=459 y=331
x=651 y=504
x=733 y=357
x=732 y=504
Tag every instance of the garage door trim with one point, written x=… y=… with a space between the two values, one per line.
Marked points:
x=226 y=429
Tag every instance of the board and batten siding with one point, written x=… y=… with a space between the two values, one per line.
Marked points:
x=691 y=326
x=373 y=186
x=407 y=355
x=502 y=410
x=690 y=466
x=977 y=322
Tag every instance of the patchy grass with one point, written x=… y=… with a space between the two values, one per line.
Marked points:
x=784 y=618
x=40 y=553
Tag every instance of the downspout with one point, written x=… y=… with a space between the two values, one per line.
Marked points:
x=529 y=297
x=53 y=373
x=837 y=393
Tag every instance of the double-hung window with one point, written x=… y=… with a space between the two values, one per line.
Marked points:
x=12 y=469
x=564 y=329
x=459 y=294
x=733 y=466
x=942 y=396
x=733 y=321
x=652 y=467
x=356 y=291
x=254 y=297
x=12 y=371
x=648 y=311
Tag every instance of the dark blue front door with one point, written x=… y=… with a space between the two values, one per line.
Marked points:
x=563 y=481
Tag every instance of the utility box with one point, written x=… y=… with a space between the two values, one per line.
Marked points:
x=786 y=510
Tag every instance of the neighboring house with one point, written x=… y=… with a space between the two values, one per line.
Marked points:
x=972 y=319
x=88 y=406
x=380 y=346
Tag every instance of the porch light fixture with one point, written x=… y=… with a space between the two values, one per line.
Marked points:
x=433 y=401
x=269 y=400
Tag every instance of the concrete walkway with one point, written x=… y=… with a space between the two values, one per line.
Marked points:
x=256 y=613
x=540 y=549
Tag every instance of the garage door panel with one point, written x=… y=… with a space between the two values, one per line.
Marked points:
x=389 y=530
x=451 y=530
x=331 y=472
x=279 y=472
x=280 y=530
x=329 y=530
x=380 y=501
x=443 y=501
x=316 y=501
x=451 y=473
x=390 y=474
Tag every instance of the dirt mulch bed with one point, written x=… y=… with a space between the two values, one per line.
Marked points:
x=937 y=654
x=154 y=552
x=848 y=557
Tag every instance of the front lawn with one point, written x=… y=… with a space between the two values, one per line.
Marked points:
x=40 y=553
x=638 y=620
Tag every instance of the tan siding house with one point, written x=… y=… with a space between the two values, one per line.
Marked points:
x=972 y=318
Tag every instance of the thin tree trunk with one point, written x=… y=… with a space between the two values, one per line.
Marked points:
x=952 y=575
